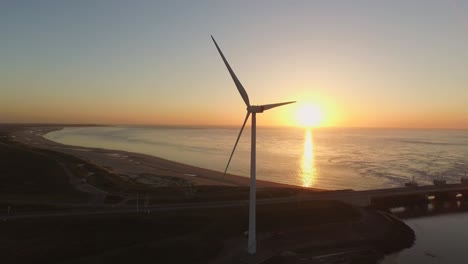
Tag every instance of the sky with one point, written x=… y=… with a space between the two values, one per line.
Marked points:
x=398 y=63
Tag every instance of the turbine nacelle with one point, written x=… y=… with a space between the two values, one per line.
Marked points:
x=255 y=108
x=261 y=108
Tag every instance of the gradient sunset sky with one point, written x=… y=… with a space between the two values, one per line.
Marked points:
x=363 y=63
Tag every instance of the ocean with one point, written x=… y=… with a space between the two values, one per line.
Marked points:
x=328 y=158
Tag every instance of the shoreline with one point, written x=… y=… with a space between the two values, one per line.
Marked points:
x=343 y=230
x=136 y=167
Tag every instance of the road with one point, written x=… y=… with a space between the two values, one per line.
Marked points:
x=353 y=197
x=98 y=195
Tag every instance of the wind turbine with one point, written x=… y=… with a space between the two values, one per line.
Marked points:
x=251 y=109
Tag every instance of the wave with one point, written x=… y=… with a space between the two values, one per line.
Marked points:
x=410 y=141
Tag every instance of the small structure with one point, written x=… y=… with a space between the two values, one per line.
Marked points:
x=464 y=179
x=439 y=180
x=411 y=183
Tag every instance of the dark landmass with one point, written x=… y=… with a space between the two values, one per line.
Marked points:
x=36 y=180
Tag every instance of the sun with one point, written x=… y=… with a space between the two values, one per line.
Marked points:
x=309 y=115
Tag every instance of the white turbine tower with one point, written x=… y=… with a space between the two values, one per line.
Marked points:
x=251 y=109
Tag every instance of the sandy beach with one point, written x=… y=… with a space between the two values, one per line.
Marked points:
x=136 y=167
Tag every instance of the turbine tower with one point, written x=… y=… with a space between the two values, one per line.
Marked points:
x=251 y=109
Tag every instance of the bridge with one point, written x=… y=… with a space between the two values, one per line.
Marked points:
x=400 y=196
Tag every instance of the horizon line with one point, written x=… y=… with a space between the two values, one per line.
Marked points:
x=50 y=124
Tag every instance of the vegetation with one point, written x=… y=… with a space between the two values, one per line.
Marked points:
x=26 y=172
x=170 y=237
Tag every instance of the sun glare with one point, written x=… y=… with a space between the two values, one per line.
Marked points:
x=309 y=115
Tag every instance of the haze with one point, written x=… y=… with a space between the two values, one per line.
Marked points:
x=363 y=63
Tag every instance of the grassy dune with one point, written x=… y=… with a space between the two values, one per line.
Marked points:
x=30 y=173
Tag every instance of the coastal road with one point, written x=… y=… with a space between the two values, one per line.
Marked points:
x=353 y=197
x=88 y=209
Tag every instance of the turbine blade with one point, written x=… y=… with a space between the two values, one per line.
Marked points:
x=239 y=86
x=237 y=141
x=269 y=106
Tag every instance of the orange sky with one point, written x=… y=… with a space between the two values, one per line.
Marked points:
x=364 y=64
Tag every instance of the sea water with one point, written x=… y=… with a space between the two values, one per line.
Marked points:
x=439 y=239
x=328 y=158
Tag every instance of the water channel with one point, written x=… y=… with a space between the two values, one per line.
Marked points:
x=441 y=231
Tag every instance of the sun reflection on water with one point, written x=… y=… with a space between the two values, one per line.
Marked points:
x=308 y=169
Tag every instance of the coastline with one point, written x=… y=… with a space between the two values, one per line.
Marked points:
x=136 y=167
x=343 y=230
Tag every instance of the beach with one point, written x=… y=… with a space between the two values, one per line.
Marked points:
x=323 y=158
x=136 y=167
x=78 y=193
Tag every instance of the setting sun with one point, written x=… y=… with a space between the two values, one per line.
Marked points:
x=309 y=115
